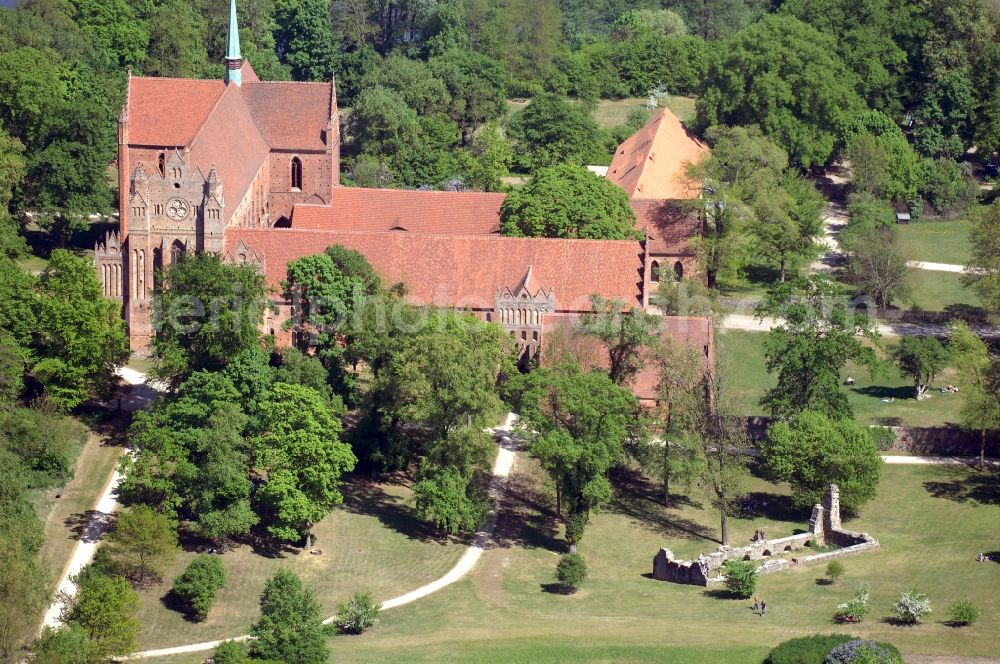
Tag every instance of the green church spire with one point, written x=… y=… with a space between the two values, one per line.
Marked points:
x=233 y=58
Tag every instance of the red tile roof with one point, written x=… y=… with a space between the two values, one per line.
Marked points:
x=465 y=270
x=292 y=116
x=352 y=208
x=230 y=140
x=169 y=111
x=653 y=162
x=671 y=225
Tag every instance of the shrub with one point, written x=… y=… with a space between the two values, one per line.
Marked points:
x=854 y=609
x=884 y=437
x=741 y=577
x=231 y=652
x=571 y=571
x=198 y=584
x=835 y=570
x=806 y=649
x=911 y=607
x=357 y=614
x=963 y=612
x=858 y=651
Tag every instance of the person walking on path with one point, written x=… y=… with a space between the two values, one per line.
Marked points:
x=756 y=603
x=763 y=608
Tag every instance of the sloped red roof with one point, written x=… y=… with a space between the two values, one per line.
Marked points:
x=671 y=225
x=291 y=115
x=169 y=111
x=230 y=140
x=354 y=208
x=465 y=270
x=653 y=162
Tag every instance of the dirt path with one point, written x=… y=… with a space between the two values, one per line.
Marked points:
x=502 y=466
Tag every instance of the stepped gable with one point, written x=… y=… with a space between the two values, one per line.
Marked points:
x=653 y=162
x=169 y=111
x=359 y=209
x=291 y=116
x=230 y=142
x=465 y=270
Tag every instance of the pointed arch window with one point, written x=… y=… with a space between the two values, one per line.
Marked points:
x=296 y=173
x=161 y=164
x=654 y=272
x=679 y=270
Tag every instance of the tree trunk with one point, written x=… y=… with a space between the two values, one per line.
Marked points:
x=558 y=501
x=782 y=279
x=666 y=473
x=309 y=540
x=982 y=449
x=921 y=390
x=725 y=526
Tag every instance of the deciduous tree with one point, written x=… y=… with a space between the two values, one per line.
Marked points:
x=920 y=358
x=878 y=266
x=106 y=607
x=552 y=131
x=983 y=269
x=142 y=543
x=290 y=627
x=626 y=334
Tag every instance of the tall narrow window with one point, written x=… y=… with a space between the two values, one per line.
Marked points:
x=679 y=270
x=162 y=164
x=654 y=272
x=296 y=173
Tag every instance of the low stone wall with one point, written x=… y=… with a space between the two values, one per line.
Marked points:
x=824 y=528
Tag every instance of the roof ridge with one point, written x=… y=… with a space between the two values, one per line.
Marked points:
x=492 y=237
x=422 y=191
x=259 y=82
x=178 y=78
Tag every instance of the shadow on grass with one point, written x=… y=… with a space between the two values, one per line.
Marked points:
x=896 y=621
x=824 y=582
x=90 y=525
x=771 y=506
x=633 y=499
x=557 y=589
x=173 y=602
x=368 y=498
x=888 y=421
x=721 y=593
x=526 y=519
x=968 y=485
x=900 y=393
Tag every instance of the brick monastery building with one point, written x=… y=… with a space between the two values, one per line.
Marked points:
x=251 y=169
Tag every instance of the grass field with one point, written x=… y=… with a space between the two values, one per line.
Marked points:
x=611 y=113
x=373 y=543
x=934 y=291
x=930 y=521
x=937 y=241
x=743 y=357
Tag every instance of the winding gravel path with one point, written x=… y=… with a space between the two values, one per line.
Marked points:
x=502 y=466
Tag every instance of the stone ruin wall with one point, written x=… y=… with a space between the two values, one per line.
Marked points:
x=824 y=527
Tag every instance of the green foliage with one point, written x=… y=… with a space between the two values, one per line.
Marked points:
x=787 y=219
x=198 y=584
x=855 y=609
x=576 y=424
x=741 y=577
x=64 y=645
x=477 y=86
x=45 y=443
x=290 y=626
x=491 y=156
x=303 y=38
x=81 y=337
x=231 y=652
x=571 y=571
x=105 y=607
x=884 y=437
x=867 y=214
x=625 y=333
x=911 y=607
x=835 y=570
x=883 y=164
x=946 y=187
x=142 y=543
x=864 y=652
x=357 y=614
x=980 y=378
x=553 y=131
x=569 y=202
x=301 y=452
x=806 y=649
x=811 y=451
x=983 y=269
x=920 y=358
x=206 y=312
x=756 y=77
x=447 y=499
x=963 y=613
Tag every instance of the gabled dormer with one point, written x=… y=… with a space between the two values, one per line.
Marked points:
x=174 y=168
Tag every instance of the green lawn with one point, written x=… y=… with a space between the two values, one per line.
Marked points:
x=743 y=360
x=934 y=291
x=937 y=241
x=929 y=520
x=373 y=543
x=611 y=113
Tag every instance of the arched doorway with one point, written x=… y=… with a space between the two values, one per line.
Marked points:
x=679 y=270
